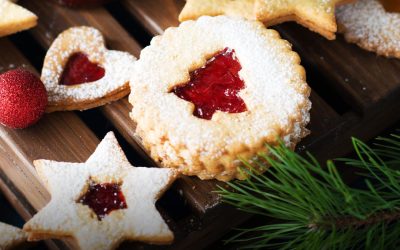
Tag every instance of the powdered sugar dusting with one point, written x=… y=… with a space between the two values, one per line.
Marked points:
x=3 y=4
x=14 y=18
x=11 y=236
x=67 y=182
x=118 y=66
x=276 y=96
x=368 y=24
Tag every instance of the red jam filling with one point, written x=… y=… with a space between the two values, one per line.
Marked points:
x=80 y=70
x=215 y=86
x=103 y=198
x=391 y=5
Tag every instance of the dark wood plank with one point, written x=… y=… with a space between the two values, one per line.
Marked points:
x=12 y=192
x=59 y=136
x=330 y=131
x=154 y=20
x=198 y=193
x=60 y=18
x=157 y=15
x=361 y=77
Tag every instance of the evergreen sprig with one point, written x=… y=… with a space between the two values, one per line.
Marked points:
x=312 y=206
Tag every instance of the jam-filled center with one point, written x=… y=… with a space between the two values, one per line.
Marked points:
x=103 y=198
x=391 y=5
x=215 y=86
x=79 y=69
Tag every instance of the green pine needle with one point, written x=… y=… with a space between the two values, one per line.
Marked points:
x=314 y=207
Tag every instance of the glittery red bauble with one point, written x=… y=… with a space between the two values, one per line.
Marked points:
x=23 y=98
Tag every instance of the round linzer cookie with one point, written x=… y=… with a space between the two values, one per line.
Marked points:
x=80 y=73
x=372 y=27
x=215 y=90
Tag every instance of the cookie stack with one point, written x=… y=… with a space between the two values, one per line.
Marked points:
x=205 y=95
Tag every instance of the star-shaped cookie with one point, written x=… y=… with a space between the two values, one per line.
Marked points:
x=371 y=26
x=317 y=15
x=11 y=236
x=103 y=201
x=197 y=8
x=14 y=18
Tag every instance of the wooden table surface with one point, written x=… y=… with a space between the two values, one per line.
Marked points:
x=355 y=93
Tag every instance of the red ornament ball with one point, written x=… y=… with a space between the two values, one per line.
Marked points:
x=23 y=98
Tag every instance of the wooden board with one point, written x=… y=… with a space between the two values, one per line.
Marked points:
x=352 y=89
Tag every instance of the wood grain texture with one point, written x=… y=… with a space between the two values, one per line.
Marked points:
x=202 y=196
x=154 y=20
x=369 y=84
x=59 y=136
x=198 y=193
x=363 y=78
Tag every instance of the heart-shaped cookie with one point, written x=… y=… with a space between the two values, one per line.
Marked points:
x=80 y=73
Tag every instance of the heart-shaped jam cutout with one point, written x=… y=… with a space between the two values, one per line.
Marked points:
x=79 y=69
x=215 y=86
x=391 y=5
x=103 y=198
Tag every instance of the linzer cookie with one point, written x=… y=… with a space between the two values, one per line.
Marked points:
x=11 y=237
x=197 y=8
x=80 y=73
x=201 y=104
x=14 y=18
x=372 y=25
x=103 y=201
x=317 y=15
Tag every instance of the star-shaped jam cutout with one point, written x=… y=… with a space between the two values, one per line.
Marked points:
x=79 y=69
x=14 y=18
x=317 y=15
x=103 y=198
x=80 y=190
x=391 y=5
x=215 y=86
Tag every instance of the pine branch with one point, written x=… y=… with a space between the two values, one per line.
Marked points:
x=346 y=222
x=315 y=208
